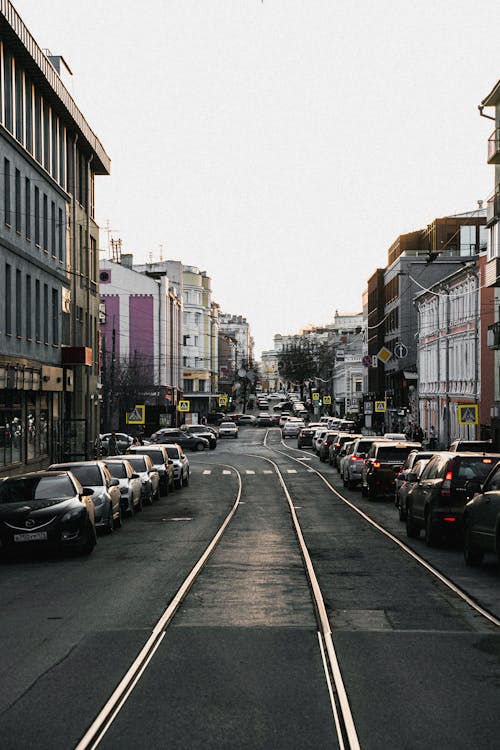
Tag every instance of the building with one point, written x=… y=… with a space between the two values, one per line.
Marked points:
x=238 y=328
x=492 y=268
x=49 y=354
x=449 y=355
x=141 y=344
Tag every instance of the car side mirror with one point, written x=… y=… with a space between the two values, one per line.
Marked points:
x=114 y=483
x=135 y=476
x=472 y=487
x=170 y=462
x=411 y=477
x=87 y=492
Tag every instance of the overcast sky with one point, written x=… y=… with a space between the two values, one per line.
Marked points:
x=280 y=145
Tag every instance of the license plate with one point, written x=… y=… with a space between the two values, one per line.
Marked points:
x=32 y=536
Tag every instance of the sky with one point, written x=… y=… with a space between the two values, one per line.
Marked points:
x=279 y=145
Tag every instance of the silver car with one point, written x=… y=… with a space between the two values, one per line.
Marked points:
x=181 y=464
x=150 y=479
x=292 y=427
x=228 y=429
x=130 y=484
x=106 y=491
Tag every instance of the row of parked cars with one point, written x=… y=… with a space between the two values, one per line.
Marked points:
x=65 y=506
x=446 y=494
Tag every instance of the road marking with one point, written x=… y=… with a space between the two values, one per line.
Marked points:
x=291 y=471
x=250 y=471
x=267 y=471
x=207 y=471
x=226 y=471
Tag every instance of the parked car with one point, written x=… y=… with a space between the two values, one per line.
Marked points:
x=472 y=446
x=336 y=446
x=46 y=509
x=129 y=483
x=399 y=436
x=123 y=442
x=247 y=420
x=202 y=431
x=305 y=436
x=105 y=489
x=353 y=464
x=383 y=462
x=284 y=417
x=482 y=519
x=292 y=427
x=180 y=464
x=401 y=477
x=150 y=479
x=159 y=456
x=228 y=429
x=181 y=437
x=408 y=481
x=438 y=500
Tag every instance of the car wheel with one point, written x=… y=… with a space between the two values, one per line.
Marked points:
x=199 y=447
x=179 y=483
x=110 y=525
x=412 y=531
x=472 y=555
x=90 y=539
x=431 y=535
x=119 y=521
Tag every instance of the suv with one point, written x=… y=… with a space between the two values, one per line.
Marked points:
x=181 y=437
x=353 y=463
x=384 y=460
x=437 y=501
x=336 y=446
x=203 y=431
x=471 y=446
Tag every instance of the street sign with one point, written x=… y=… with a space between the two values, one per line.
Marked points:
x=327 y=399
x=468 y=414
x=315 y=396
x=183 y=405
x=222 y=400
x=137 y=415
x=367 y=360
x=400 y=351
x=368 y=407
x=380 y=406
x=384 y=355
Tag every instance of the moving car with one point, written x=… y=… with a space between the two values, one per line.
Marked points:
x=265 y=420
x=246 y=420
x=306 y=434
x=472 y=446
x=292 y=427
x=482 y=520
x=438 y=500
x=408 y=483
x=335 y=447
x=383 y=462
x=402 y=478
x=106 y=491
x=182 y=437
x=159 y=456
x=49 y=509
x=353 y=464
x=203 y=431
x=324 y=447
x=129 y=483
x=150 y=479
x=123 y=442
x=228 y=429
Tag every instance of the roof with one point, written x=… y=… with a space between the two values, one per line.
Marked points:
x=493 y=97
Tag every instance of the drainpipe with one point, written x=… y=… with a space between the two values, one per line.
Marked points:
x=89 y=413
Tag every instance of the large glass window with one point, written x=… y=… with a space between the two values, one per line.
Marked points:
x=60 y=229
x=38 y=128
x=27 y=307
x=19 y=105
x=55 y=316
x=17 y=203
x=53 y=228
x=38 y=327
x=7 y=72
x=45 y=222
x=27 y=206
x=29 y=114
x=37 y=216
x=46 y=313
x=19 y=304
x=6 y=194
x=8 y=299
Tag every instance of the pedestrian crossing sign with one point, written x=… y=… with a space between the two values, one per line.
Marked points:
x=468 y=414
x=222 y=400
x=380 y=406
x=136 y=415
x=183 y=406
x=327 y=399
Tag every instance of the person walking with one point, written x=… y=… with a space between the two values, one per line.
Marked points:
x=113 y=449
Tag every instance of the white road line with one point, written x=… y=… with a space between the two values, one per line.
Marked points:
x=268 y=471
x=226 y=471
x=291 y=471
x=207 y=471
x=249 y=471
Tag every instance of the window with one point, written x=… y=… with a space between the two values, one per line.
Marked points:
x=8 y=299
x=46 y=313
x=60 y=227
x=7 y=71
x=27 y=207
x=201 y=386
x=45 y=219
x=37 y=311
x=27 y=307
x=53 y=228
x=46 y=135
x=62 y=155
x=37 y=216
x=29 y=114
x=54 y=149
x=6 y=188
x=19 y=105
x=188 y=385
x=19 y=305
x=38 y=128
x=55 y=316
x=17 y=185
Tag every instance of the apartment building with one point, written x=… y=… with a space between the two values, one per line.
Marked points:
x=49 y=407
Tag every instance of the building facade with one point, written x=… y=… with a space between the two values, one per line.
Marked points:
x=49 y=354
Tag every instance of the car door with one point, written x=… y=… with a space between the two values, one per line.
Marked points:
x=486 y=511
x=114 y=492
x=426 y=485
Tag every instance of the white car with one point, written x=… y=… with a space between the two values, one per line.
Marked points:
x=318 y=438
x=228 y=429
x=130 y=484
x=180 y=464
x=292 y=427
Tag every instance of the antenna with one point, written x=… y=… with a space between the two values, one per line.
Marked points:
x=116 y=251
x=161 y=253
x=108 y=231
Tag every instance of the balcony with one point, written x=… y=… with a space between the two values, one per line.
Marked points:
x=493 y=208
x=492 y=272
x=494 y=147
x=493 y=339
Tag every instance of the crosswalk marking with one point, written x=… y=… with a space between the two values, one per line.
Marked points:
x=226 y=471
x=250 y=471
x=291 y=471
x=207 y=471
x=267 y=471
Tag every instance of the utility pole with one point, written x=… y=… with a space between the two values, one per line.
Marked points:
x=112 y=372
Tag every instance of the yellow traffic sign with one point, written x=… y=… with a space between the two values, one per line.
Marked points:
x=222 y=400
x=315 y=396
x=380 y=406
x=384 y=355
x=327 y=399
x=468 y=414
x=137 y=415
x=183 y=405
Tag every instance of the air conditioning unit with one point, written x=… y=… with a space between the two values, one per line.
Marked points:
x=105 y=277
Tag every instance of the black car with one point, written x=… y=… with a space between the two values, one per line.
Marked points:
x=438 y=500
x=482 y=519
x=46 y=509
x=203 y=431
x=306 y=435
x=181 y=437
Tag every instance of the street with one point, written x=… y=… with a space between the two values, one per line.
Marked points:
x=241 y=664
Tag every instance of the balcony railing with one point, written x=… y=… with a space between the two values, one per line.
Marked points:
x=494 y=336
x=494 y=147
x=493 y=208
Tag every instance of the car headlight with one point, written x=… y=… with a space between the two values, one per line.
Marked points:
x=71 y=514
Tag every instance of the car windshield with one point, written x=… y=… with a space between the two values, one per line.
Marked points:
x=172 y=451
x=393 y=453
x=88 y=476
x=118 y=471
x=24 y=489
x=155 y=455
x=228 y=424
x=137 y=462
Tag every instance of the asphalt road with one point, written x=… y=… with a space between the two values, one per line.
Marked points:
x=240 y=665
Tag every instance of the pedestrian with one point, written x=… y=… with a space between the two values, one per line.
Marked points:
x=113 y=449
x=418 y=434
x=432 y=438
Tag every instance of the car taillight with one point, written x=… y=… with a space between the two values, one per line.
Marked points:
x=337 y=445
x=376 y=464
x=325 y=442
x=446 y=486
x=357 y=458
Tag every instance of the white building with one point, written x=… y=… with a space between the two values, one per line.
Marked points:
x=238 y=328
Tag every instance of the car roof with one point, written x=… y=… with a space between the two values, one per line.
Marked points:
x=92 y=462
